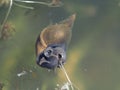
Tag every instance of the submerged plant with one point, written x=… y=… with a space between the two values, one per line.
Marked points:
x=53 y=3
x=8 y=31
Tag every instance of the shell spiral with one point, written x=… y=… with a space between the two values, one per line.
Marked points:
x=57 y=34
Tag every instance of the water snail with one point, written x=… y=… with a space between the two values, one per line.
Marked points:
x=52 y=43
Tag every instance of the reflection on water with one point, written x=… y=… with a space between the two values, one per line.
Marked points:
x=93 y=59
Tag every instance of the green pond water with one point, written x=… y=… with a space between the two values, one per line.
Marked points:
x=93 y=56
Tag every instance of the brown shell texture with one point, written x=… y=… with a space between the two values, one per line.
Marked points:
x=59 y=33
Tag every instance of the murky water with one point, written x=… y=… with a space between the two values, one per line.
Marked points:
x=93 y=56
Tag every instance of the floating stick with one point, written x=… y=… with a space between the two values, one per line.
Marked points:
x=69 y=81
x=63 y=69
x=42 y=3
x=22 y=6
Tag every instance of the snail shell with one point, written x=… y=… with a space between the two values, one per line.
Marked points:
x=57 y=35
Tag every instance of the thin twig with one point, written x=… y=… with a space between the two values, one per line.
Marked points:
x=71 y=84
x=7 y=14
x=43 y=3
x=22 y=6
x=63 y=69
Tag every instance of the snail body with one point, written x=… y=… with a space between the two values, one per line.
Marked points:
x=52 y=42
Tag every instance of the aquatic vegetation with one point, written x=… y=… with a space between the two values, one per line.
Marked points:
x=8 y=31
x=10 y=3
